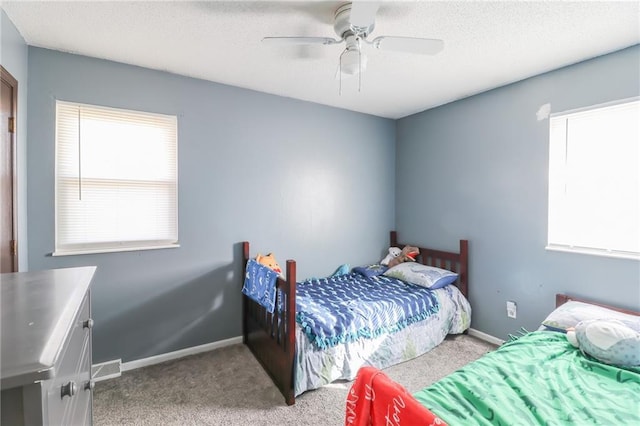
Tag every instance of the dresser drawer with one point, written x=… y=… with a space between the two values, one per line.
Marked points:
x=67 y=399
x=81 y=412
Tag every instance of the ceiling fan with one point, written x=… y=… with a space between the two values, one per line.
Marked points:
x=353 y=23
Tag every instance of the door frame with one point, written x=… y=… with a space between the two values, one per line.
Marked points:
x=9 y=79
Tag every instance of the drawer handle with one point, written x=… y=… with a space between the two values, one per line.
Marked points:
x=69 y=389
x=88 y=323
x=90 y=385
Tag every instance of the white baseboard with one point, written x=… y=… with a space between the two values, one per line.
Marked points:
x=113 y=369
x=486 y=337
x=157 y=359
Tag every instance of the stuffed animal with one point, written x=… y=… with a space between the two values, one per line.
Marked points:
x=408 y=254
x=269 y=261
x=393 y=253
x=610 y=341
x=342 y=270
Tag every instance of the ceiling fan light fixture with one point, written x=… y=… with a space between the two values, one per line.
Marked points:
x=352 y=62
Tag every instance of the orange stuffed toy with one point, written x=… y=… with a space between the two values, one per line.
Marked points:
x=269 y=261
x=408 y=254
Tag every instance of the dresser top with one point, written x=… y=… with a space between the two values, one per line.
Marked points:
x=38 y=310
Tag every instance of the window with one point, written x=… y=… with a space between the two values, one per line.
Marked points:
x=594 y=180
x=116 y=180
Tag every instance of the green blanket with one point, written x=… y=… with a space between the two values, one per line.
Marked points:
x=539 y=379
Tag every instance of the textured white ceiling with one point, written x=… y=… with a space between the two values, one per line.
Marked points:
x=487 y=44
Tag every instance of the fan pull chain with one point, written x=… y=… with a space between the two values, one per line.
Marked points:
x=359 y=66
x=340 y=73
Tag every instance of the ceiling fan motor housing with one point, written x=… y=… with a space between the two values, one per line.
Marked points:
x=342 y=24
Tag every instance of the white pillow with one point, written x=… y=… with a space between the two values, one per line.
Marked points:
x=422 y=275
x=610 y=341
x=572 y=312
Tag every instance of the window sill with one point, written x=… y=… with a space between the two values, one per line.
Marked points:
x=111 y=250
x=594 y=252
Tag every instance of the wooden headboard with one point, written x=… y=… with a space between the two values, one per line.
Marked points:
x=561 y=299
x=456 y=262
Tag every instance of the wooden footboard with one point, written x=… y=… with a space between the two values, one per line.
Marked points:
x=272 y=337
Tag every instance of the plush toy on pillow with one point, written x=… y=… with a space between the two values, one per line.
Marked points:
x=408 y=254
x=612 y=341
x=270 y=262
x=393 y=253
x=342 y=270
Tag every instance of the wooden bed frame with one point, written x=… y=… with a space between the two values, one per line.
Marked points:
x=561 y=299
x=271 y=337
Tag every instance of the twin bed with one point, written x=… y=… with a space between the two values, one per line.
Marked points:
x=536 y=379
x=298 y=359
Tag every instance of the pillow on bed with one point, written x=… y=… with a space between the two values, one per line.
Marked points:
x=422 y=275
x=572 y=312
x=610 y=341
x=370 y=270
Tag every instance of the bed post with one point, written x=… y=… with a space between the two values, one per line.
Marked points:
x=271 y=337
x=393 y=239
x=290 y=346
x=464 y=266
x=561 y=299
x=245 y=259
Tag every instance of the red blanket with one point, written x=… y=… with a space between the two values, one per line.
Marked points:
x=375 y=399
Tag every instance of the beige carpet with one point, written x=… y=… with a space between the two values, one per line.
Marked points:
x=227 y=386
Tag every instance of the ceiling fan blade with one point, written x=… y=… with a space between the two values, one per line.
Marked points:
x=300 y=40
x=363 y=14
x=425 y=46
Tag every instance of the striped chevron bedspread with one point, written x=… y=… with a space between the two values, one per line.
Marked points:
x=350 y=307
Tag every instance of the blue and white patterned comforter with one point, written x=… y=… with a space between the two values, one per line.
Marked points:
x=316 y=367
x=350 y=307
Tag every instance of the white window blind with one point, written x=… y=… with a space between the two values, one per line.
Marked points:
x=594 y=180
x=116 y=179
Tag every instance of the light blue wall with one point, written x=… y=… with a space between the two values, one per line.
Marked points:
x=314 y=183
x=14 y=58
x=302 y=180
x=478 y=169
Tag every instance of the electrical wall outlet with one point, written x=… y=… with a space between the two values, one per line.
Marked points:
x=511 y=309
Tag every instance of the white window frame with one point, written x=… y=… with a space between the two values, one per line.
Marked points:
x=106 y=179
x=560 y=181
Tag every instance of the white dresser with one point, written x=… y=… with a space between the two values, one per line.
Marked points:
x=46 y=347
